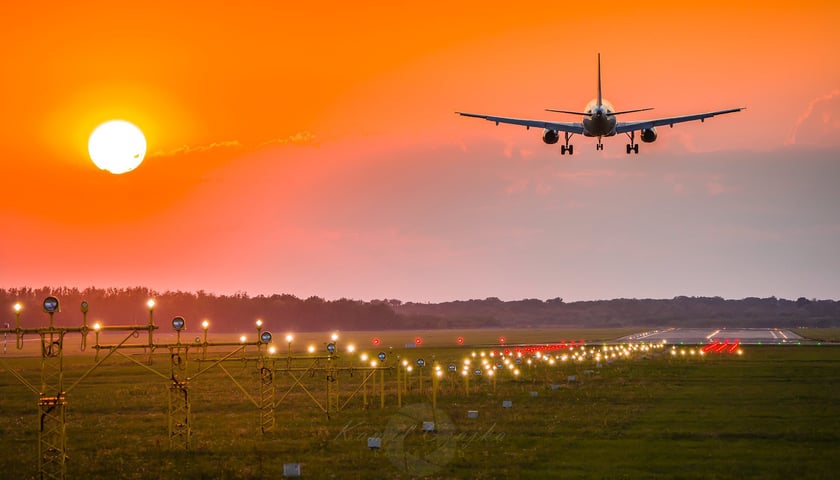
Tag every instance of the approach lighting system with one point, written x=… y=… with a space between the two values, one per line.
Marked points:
x=51 y=305
x=452 y=367
x=84 y=307
x=381 y=356
x=205 y=324
x=151 y=304
x=265 y=337
x=178 y=323
x=331 y=348
x=421 y=362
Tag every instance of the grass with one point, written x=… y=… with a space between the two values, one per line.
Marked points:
x=771 y=413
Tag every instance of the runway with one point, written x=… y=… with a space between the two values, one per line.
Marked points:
x=696 y=336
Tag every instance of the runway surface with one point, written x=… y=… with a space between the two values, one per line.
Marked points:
x=688 y=336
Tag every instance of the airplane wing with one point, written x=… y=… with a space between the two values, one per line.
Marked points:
x=570 y=127
x=624 y=127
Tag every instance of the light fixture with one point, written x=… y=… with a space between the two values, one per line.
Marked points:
x=178 y=323
x=51 y=305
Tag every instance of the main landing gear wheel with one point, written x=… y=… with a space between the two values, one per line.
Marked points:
x=632 y=146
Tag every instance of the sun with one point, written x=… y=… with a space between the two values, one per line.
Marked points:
x=117 y=146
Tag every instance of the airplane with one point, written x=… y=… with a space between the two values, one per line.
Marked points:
x=599 y=121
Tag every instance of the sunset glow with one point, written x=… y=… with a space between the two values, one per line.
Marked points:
x=313 y=149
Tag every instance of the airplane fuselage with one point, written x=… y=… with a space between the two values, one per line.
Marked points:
x=601 y=122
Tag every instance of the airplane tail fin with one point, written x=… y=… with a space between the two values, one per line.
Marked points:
x=600 y=99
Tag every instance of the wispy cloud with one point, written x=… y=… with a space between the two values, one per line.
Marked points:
x=300 y=138
x=187 y=149
x=806 y=114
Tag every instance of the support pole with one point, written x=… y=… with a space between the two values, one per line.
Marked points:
x=179 y=411
x=52 y=440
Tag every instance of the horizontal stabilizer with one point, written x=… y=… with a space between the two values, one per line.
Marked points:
x=588 y=114
x=632 y=111
x=569 y=112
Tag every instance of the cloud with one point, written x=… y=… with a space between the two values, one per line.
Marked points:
x=299 y=138
x=829 y=120
x=186 y=149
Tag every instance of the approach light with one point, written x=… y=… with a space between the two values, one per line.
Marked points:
x=289 y=338
x=272 y=350
x=51 y=305
x=421 y=362
x=205 y=324
x=351 y=348
x=97 y=327
x=243 y=338
x=364 y=357
x=331 y=348
x=334 y=337
x=452 y=367
x=381 y=356
x=265 y=337
x=259 y=323
x=311 y=349
x=151 y=304
x=84 y=307
x=178 y=323
x=373 y=363
x=18 y=307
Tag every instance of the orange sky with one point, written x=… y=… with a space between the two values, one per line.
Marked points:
x=278 y=133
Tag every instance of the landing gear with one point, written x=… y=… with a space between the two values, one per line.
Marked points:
x=567 y=148
x=632 y=146
x=599 y=146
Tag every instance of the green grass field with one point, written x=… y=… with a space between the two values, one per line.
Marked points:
x=771 y=413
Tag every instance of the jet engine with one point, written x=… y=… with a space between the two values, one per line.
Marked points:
x=648 y=135
x=551 y=136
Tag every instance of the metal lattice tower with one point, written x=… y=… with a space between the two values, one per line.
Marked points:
x=180 y=429
x=51 y=406
x=266 y=399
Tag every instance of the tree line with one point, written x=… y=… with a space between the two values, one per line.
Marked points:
x=284 y=312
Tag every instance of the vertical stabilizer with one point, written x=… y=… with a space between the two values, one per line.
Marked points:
x=600 y=101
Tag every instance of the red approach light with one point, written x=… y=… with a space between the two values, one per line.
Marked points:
x=507 y=351
x=502 y=340
x=734 y=347
x=460 y=340
x=376 y=341
x=418 y=341
x=708 y=348
x=721 y=347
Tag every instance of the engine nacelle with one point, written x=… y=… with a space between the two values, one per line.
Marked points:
x=649 y=135
x=550 y=136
